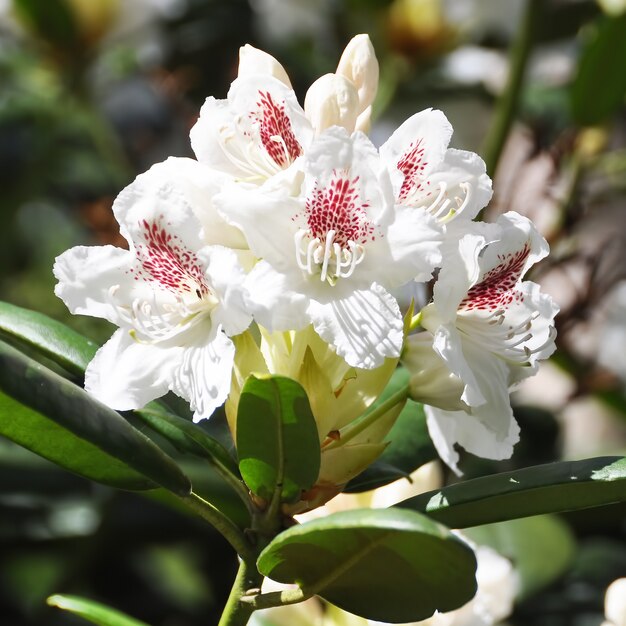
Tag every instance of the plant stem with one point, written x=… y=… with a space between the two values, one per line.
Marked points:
x=355 y=428
x=232 y=533
x=238 y=612
x=276 y=598
x=507 y=104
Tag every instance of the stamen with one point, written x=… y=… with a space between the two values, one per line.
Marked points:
x=330 y=235
x=317 y=257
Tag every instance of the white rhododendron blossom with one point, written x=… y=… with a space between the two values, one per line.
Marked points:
x=175 y=299
x=489 y=329
x=426 y=174
x=256 y=133
x=331 y=252
x=291 y=217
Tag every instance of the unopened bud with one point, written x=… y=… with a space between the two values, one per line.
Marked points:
x=253 y=61
x=332 y=100
x=359 y=65
x=431 y=381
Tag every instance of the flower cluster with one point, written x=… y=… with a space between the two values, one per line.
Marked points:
x=292 y=219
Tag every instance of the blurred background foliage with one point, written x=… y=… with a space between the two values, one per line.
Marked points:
x=92 y=92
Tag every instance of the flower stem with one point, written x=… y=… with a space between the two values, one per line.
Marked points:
x=507 y=104
x=248 y=581
x=232 y=533
x=355 y=428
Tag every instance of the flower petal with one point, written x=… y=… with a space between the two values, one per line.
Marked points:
x=197 y=184
x=159 y=197
x=414 y=150
x=126 y=374
x=204 y=375
x=275 y=300
x=86 y=276
x=470 y=431
x=227 y=279
x=467 y=186
x=365 y=326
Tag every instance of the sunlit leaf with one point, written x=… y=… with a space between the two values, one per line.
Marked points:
x=550 y=488
x=277 y=439
x=383 y=564
x=70 y=407
x=50 y=338
x=93 y=612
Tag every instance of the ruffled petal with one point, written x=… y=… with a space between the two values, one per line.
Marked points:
x=159 y=201
x=364 y=326
x=197 y=184
x=126 y=374
x=414 y=150
x=409 y=250
x=275 y=300
x=266 y=218
x=86 y=276
x=466 y=188
x=204 y=374
x=447 y=428
x=449 y=345
x=227 y=280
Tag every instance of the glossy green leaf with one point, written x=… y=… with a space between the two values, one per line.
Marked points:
x=541 y=548
x=186 y=436
x=409 y=446
x=51 y=338
x=277 y=439
x=550 y=488
x=70 y=407
x=93 y=612
x=34 y=431
x=383 y=564
x=599 y=88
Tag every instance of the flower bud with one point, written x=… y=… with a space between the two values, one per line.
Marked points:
x=337 y=392
x=431 y=381
x=359 y=65
x=332 y=100
x=254 y=61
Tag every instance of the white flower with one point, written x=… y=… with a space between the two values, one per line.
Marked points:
x=447 y=183
x=257 y=132
x=490 y=329
x=175 y=299
x=330 y=252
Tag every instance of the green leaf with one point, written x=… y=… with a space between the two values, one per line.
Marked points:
x=540 y=547
x=599 y=88
x=54 y=340
x=36 y=432
x=550 y=488
x=38 y=388
x=93 y=612
x=277 y=439
x=383 y=564
x=186 y=436
x=409 y=446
